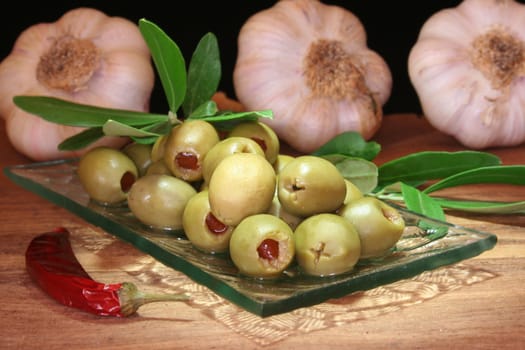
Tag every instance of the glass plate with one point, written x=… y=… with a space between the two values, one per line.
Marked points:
x=426 y=244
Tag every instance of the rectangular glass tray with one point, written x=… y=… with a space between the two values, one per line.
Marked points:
x=426 y=244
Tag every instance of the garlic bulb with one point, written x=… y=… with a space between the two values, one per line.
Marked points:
x=468 y=69
x=309 y=63
x=85 y=57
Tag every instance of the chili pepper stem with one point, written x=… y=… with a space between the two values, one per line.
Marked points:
x=131 y=298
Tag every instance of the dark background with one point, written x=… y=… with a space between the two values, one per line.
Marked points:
x=392 y=28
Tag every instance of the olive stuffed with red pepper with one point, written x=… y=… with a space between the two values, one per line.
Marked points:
x=107 y=174
x=262 y=246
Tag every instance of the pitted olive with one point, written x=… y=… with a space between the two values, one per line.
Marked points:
x=159 y=200
x=262 y=246
x=158 y=148
x=202 y=228
x=310 y=185
x=140 y=154
x=242 y=184
x=326 y=244
x=379 y=225
x=227 y=147
x=277 y=209
x=281 y=161
x=158 y=167
x=187 y=146
x=106 y=174
x=352 y=192
x=260 y=133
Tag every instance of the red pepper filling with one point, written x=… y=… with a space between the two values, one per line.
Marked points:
x=261 y=143
x=126 y=181
x=214 y=225
x=268 y=249
x=187 y=160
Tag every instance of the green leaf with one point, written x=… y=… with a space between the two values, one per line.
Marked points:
x=161 y=128
x=155 y=130
x=483 y=207
x=362 y=173
x=148 y=140
x=502 y=174
x=421 y=203
x=114 y=128
x=74 y=114
x=226 y=120
x=350 y=143
x=204 y=73
x=395 y=187
x=251 y=115
x=169 y=63
x=81 y=140
x=206 y=109
x=430 y=165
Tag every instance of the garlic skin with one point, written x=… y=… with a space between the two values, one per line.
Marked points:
x=309 y=63
x=84 y=57
x=468 y=69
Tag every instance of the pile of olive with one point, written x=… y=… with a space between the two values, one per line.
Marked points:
x=237 y=194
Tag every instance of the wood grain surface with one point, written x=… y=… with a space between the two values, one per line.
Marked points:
x=442 y=310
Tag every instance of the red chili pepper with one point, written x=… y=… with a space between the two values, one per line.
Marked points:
x=52 y=264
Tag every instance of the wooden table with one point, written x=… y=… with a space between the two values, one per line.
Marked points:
x=478 y=303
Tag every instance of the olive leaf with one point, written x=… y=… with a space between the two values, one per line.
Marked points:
x=451 y=170
x=503 y=174
x=352 y=155
x=82 y=139
x=420 y=202
x=114 y=128
x=361 y=172
x=250 y=115
x=483 y=207
x=226 y=120
x=350 y=143
x=169 y=62
x=204 y=74
x=80 y=115
x=75 y=114
x=206 y=109
x=430 y=165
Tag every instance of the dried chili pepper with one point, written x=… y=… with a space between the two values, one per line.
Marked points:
x=51 y=262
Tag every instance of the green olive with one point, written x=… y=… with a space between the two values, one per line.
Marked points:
x=326 y=244
x=227 y=147
x=352 y=192
x=202 y=228
x=260 y=133
x=281 y=161
x=310 y=185
x=262 y=246
x=187 y=146
x=140 y=154
x=158 y=167
x=159 y=200
x=379 y=225
x=277 y=209
x=242 y=184
x=158 y=148
x=106 y=174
